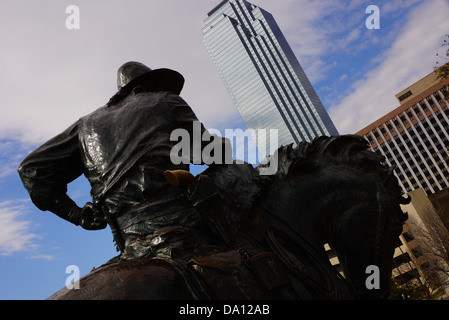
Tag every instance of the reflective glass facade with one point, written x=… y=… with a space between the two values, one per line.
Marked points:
x=263 y=76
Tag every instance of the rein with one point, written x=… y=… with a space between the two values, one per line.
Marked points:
x=380 y=230
x=331 y=277
x=381 y=225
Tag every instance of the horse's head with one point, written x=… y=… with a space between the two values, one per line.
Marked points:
x=368 y=221
x=365 y=239
x=338 y=192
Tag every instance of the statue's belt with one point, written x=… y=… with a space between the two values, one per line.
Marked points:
x=148 y=217
x=160 y=243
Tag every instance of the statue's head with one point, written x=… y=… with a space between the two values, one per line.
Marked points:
x=132 y=73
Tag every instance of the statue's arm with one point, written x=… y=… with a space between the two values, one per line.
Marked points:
x=46 y=172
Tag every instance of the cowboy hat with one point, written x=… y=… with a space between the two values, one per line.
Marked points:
x=133 y=73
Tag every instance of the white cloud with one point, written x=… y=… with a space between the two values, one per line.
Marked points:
x=54 y=75
x=10 y=156
x=410 y=58
x=397 y=5
x=16 y=234
x=57 y=75
x=42 y=256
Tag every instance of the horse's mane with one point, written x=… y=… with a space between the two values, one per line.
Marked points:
x=345 y=150
x=242 y=185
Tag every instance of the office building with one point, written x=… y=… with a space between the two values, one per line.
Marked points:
x=260 y=71
x=414 y=137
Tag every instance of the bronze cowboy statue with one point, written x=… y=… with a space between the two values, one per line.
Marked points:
x=228 y=233
x=123 y=150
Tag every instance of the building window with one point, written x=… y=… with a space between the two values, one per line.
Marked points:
x=417 y=111
x=416 y=252
x=400 y=260
x=408 y=236
x=396 y=122
x=406 y=277
x=405 y=95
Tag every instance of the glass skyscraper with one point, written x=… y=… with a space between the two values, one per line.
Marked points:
x=263 y=76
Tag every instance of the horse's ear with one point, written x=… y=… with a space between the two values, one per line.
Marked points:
x=302 y=166
x=406 y=199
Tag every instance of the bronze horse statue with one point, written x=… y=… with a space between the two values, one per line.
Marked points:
x=273 y=230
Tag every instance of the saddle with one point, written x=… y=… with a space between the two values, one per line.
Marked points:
x=244 y=269
x=232 y=273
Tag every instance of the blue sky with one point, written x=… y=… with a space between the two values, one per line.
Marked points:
x=51 y=76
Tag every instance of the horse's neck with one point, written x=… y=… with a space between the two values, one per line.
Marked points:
x=308 y=231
